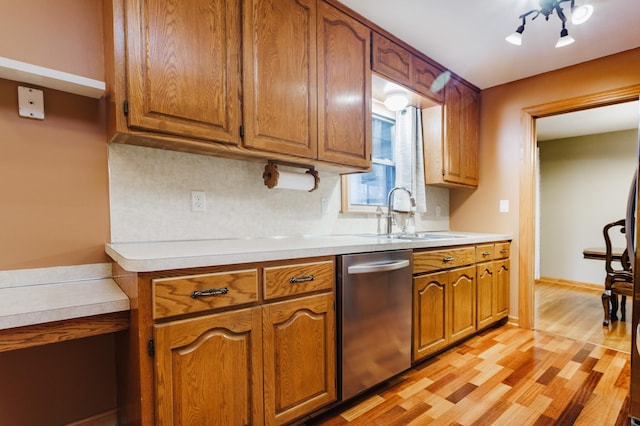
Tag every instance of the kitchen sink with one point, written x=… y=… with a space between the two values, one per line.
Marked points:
x=420 y=236
x=433 y=236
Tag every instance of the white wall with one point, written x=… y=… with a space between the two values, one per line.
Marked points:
x=150 y=199
x=584 y=183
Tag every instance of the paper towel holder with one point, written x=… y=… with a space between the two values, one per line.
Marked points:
x=271 y=174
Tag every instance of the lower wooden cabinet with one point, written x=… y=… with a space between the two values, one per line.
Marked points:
x=493 y=283
x=456 y=292
x=444 y=309
x=209 y=370
x=250 y=344
x=463 y=302
x=430 y=325
x=299 y=357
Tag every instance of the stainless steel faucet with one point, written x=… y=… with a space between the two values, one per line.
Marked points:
x=389 y=199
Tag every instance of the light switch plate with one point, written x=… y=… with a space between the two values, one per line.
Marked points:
x=504 y=206
x=30 y=102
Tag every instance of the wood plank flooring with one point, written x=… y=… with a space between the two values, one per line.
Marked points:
x=575 y=311
x=506 y=376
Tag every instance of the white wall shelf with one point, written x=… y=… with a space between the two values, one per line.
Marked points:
x=50 y=78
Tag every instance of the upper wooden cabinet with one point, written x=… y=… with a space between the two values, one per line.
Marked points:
x=461 y=133
x=450 y=135
x=285 y=80
x=176 y=70
x=403 y=67
x=280 y=84
x=307 y=81
x=344 y=89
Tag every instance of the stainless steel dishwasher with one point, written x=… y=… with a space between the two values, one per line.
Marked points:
x=374 y=326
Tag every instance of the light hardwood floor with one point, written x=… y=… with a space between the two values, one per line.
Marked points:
x=512 y=376
x=576 y=312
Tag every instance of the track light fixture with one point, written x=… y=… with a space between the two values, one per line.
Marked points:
x=579 y=15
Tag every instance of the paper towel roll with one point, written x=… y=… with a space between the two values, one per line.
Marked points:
x=299 y=181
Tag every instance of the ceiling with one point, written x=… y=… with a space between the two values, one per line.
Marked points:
x=468 y=38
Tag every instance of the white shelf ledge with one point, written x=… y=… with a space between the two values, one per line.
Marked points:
x=50 y=78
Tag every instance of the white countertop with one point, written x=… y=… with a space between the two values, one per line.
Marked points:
x=38 y=296
x=156 y=256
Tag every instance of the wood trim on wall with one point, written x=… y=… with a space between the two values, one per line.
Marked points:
x=526 y=253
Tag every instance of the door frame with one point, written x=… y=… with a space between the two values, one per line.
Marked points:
x=528 y=116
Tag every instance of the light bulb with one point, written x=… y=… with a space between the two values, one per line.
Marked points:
x=580 y=14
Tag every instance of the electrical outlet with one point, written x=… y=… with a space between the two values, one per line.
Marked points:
x=30 y=102
x=198 y=201
x=324 y=205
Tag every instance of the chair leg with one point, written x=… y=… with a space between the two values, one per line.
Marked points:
x=614 y=307
x=623 y=307
x=605 y=305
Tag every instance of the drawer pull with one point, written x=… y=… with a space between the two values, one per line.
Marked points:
x=447 y=259
x=486 y=253
x=302 y=279
x=209 y=292
x=503 y=251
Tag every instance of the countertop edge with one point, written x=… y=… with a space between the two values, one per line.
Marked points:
x=20 y=306
x=156 y=256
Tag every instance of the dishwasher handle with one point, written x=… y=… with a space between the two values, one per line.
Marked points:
x=365 y=268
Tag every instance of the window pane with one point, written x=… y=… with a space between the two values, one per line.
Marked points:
x=372 y=188
x=383 y=132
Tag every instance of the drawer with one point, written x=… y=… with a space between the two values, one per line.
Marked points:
x=502 y=251
x=428 y=261
x=281 y=281
x=484 y=252
x=197 y=293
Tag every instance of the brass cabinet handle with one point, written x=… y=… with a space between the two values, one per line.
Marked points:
x=209 y=292
x=503 y=251
x=448 y=259
x=486 y=253
x=302 y=279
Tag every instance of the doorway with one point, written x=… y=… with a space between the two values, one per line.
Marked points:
x=527 y=231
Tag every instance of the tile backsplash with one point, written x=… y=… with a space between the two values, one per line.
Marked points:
x=150 y=198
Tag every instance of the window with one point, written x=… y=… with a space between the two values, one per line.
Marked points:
x=367 y=191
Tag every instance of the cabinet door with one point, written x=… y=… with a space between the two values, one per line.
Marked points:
x=183 y=68
x=460 y=147
x=430 y=307
x=280 y=76
x=485 y=284
x=344 y=89
x=502 y=288
x=299 y=357
x=391 y=60
x=463 y=301
x=209 y=370
x=424 y=74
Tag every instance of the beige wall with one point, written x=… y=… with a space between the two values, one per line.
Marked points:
x=501 y=142
x=53 y=173
x=584 y=184
x=54 y=208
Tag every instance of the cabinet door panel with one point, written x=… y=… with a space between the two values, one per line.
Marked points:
x=486 y=297
x=430 y=307
x=344 y=89
x=280 y=76
x=461 y=117
x=391 y=60
x=209 y=370
x=502 y=288
x=299 y=357
x=424 y=75
x=183 y=67
x=463 y=301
